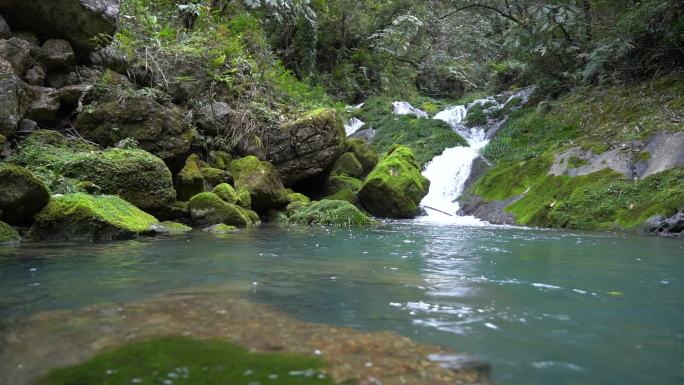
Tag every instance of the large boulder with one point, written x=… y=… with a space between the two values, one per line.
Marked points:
x=208 y=209
x=213 y=118
x=8 y=234
x=158 y=126
x=343 y=188
x=395 y=187
x=14 y=102
x=18 y=53
x=57 y=53
x=261 y=179
x=306 y=147
x=83 y=216
x=22 y=195
x=136 y=175
x=78 y=21
x=364 y=152
x=348 y=165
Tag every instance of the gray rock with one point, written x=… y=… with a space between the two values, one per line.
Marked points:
x=13 y=103
x=213 y=118
x=619 y=160
x=22 y=195
x=27 y=126
x=672 y=226
x=110 y=57
x=18 y=53
x=35 y=76
x=479 y=168
x=44 y=105
x=77 y=21
x=69 y=96
x=367 y=135
x=5 y=67
x=5 y=31
x=666 y=152
x=57 y=53
x=306 y=147
x=492 y=212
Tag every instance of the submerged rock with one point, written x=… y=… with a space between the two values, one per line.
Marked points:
x=174 y=228
x=78 y=21
x=327 y=212
x=8 y=234
x=395 y=187
x=262 y=181
x=307 y=147
x=22 y=195
x=208 y=209
x=83 y=216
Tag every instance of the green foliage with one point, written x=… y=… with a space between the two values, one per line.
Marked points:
x=510 y=179
x=327 y=212
x=207 y=362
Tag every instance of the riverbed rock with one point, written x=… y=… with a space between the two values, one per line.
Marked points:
x=83 y=216
x=395 y=187
x=364 y=152
x=327 y=212
x=174 y=228
x=8 y=234
x=347 y=164
x=307 y=147
x=208 y=209
x=35 y=76
x=78 y=21
x=262 y=181
x=44 y=105
x=343 y=187
x=213 y=118
x=221 y=229
x=215 y=176
x=159 y=127
x=18 y=53
x=189 y=181
x=226 y=192
x=136 y=175
x=22 y=195
x=57 y=53
x=14 y=102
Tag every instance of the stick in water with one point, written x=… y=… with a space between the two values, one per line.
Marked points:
x=443 y=212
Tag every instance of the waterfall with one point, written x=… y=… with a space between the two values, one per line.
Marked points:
x=405 y=108
x=449 y=171
x=352 y=126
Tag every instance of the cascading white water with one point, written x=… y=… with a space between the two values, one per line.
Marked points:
x=352 y=126
x=449 y=171
x=405 y=108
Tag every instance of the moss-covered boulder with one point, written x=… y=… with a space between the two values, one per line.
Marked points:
x=364 y=152
x=327 y=212
x=190 y=181
x=22 y=195
x=208 y=209
x=221 y=229
x=220 y=160
x=343 y=188
x=226 y=192
x=347 y=164
x=298 y=197
x=395 y=187
x=8 y=234
x=244 y=199
x=143 y=115
x=215 y=176
x=67 y=166
x=306 y=147
x=83 y=216
x=261 y=179
x=174 y=228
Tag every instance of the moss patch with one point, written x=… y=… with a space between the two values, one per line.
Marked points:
x=174 y=228
x=208 y=209
x=327 y=212
x=8 y=234
x=261 y=179
x=364 y=152
x=510 y=179
x=347 y=164
x=226 y=192
x=190 y=181
x=184 y=360
x=75 y=216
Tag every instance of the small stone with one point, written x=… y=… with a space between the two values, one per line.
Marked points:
x=57 y=53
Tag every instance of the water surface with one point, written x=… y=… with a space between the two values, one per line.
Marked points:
x=544 y=307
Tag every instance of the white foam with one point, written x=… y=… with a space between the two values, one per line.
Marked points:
x=405 y=108
x=353 y=125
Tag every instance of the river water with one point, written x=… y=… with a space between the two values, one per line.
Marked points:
x=543 y=306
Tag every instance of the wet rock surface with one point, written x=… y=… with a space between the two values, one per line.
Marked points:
x=30 y=347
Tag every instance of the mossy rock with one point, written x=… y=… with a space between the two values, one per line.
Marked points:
x=22 y=195
x=220 y=160
x=335 y=183
x=208 y=209
x=226 y=192
x=395 y=187
x=344 y=194
x=347 y=164
x=83 y=216
x=298 y=197
x=221 y=229
x=209 y=362
x=190 y=181
x=261 y=180
x=215 y=176
x=8 y=234
x=327 y=212
x=175 y=228
x=364 y=152
x=244 y=199
x=3 y=140
x=63 y=165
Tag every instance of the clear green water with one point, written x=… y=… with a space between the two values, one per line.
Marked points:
x=544 y=307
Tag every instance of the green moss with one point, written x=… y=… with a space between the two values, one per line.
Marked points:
x=476 y=116
x=576 y=162
x=511 y=179
x=643 y=156
x=344 y=194
x=364 y=152
x=220 y=160
x=347 y=164
x=190 y=180
x=336 y=183
x=215 y=176
x=183 y=360
x=327 y=212
x=226 y=192
x=221 y=229
x=208 y=209
x=395 y=187
x=243 y=198
x=174 y=228
x=22 y=195
x=86 y=216
x=297 y=197
x=8 y=234
x=263 y=182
